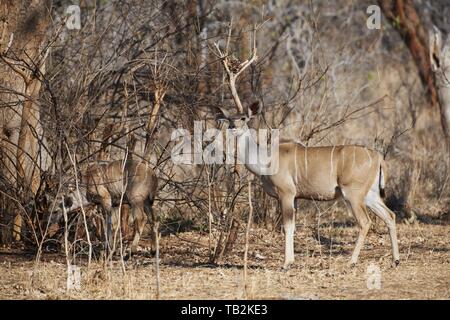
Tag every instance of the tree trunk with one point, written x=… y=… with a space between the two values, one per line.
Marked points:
x=23 y=25
x=406 y=20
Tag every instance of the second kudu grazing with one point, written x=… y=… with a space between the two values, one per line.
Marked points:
x=111 y=184
x=355 y=173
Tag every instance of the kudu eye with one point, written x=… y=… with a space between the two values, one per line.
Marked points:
x=68 y=202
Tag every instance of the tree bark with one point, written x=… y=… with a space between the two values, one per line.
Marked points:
x=406 y=20
x=23 y=26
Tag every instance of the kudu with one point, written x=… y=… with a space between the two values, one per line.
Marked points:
x=111 y=184
x=355 y=173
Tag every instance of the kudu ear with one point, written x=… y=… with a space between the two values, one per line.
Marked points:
x=254 y=109
x=68 y=202
x=435 y=39
x=222 y=115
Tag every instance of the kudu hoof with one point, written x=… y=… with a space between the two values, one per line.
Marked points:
x=286 y=267
x=148 y=253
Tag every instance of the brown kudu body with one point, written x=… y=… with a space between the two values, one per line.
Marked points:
x=326 y=173
x=111 y=184
x=355 y=173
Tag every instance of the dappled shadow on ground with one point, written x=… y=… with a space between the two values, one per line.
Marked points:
x=183 y=264
x=419 y=248
x=338 y=224
x=331 y=246
x=442 y=219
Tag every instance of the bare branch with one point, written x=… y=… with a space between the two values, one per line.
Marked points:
x=233 y=67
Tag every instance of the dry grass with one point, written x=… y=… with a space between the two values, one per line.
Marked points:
x=321 y=270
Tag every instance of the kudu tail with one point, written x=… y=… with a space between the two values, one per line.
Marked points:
x=148 y=207
x=153 y=219
x=382 y=179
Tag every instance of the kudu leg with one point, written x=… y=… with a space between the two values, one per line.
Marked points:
x=125 y=216
x=287 y=207
x=115 y=223
x=151 y=215
x=108 y=231
x=140 y=219
x=360 y=212
x=376 y=204
x=107 y=211
x=106 y=223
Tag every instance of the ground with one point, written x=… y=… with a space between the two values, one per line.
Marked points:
x=321 y=269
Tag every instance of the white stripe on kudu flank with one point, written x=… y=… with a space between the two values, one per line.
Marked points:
x=296 y=165
x=370 y=158
x=306 y=159
x=331 y=163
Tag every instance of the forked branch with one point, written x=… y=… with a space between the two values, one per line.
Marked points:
x=233 y=67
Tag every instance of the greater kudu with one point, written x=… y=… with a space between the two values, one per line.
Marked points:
x=355 y=173
x=111 y=184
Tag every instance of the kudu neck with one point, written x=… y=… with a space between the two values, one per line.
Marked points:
x=250 y=153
